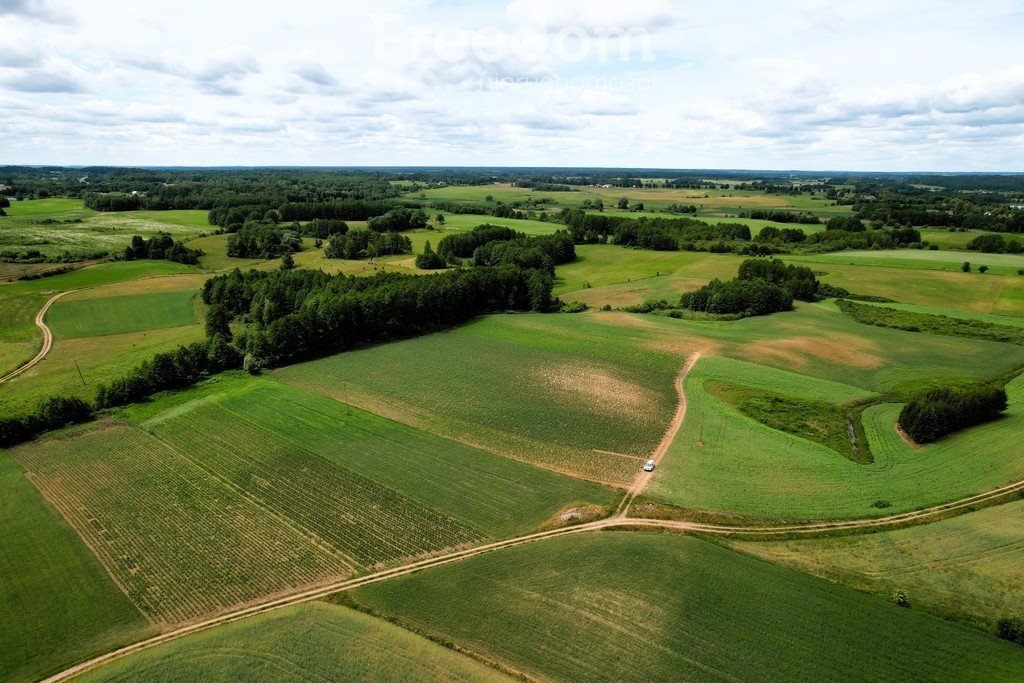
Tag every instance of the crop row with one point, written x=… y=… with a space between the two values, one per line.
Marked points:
x=369 y=523
x=178 y=542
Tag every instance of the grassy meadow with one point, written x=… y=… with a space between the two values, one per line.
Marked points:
x=606 y=606
x=59 y=225
x=726 y=462
x=315 y=641
x=967 y=568
x=98 y=316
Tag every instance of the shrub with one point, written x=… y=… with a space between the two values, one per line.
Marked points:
x=982 y=269
x=1011 y=629
x=574 y=307
x=901 y=599
x=966 y=267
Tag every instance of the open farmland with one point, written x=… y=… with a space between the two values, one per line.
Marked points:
x=605 y=606
x=59 y=227
x=294 y=487
x=726 y=462
x=67 y=607
x=570 y=394
x=95 y=317
x=316 y=641
x=968 y=568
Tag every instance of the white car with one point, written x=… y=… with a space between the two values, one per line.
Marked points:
x=649 y=466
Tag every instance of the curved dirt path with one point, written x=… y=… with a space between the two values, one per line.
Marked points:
x=47 y=338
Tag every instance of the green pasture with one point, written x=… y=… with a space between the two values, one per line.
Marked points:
x=927 y=259
x=59 y=605
x=96 y=317
x=967 y=568
x=726 y=462
x=606 y=606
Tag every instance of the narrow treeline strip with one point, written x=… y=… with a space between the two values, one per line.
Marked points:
x=883 y=316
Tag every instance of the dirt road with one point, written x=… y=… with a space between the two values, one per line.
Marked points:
x=643 y=478
x=47 y=339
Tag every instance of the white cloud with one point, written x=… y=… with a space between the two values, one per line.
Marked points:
x=776 y=84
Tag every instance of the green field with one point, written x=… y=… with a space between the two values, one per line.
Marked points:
x=316 y=641
x=608 y=606
x=574 y=395
x=747 y=468
x=121 y=314
x=275 y=488
x=82 y=232
x=968 y=568
x=59 y=605
x=999 y=264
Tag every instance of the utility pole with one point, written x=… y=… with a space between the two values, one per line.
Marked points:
x=79 y=371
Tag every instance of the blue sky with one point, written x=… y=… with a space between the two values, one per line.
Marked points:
x=929 y=86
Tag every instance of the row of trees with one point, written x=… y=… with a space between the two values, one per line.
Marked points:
x=936 y=412
x=777 y=216
x=51 y=413
x=161 y=246
x=995 y=244
x=298 y=314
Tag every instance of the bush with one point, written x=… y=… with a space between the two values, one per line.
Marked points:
x=574 y=307
x=982 y=269
x=934 y=413
x=1011 y=629
x=901 y=599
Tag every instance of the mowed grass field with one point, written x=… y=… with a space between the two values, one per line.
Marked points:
x=968 y=568
x=58 y=604
x=315 y=641
x=247 y=487
x=726 y=462
x=574 y=394
x=614 y=605
x=925 y=259
x=709 y=202
x=24 y=228
x=94 y=317
x=609 y=274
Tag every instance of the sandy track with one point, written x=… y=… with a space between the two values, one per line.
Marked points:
x=47 y=338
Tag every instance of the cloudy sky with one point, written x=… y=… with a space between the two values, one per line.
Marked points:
x=893 y=85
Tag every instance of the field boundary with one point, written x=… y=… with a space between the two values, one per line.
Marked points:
x=47 y=339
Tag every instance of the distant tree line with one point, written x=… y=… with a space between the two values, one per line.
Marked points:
x=777 y=216
x=933 y=413
x=995 y=244
x=161 y=246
